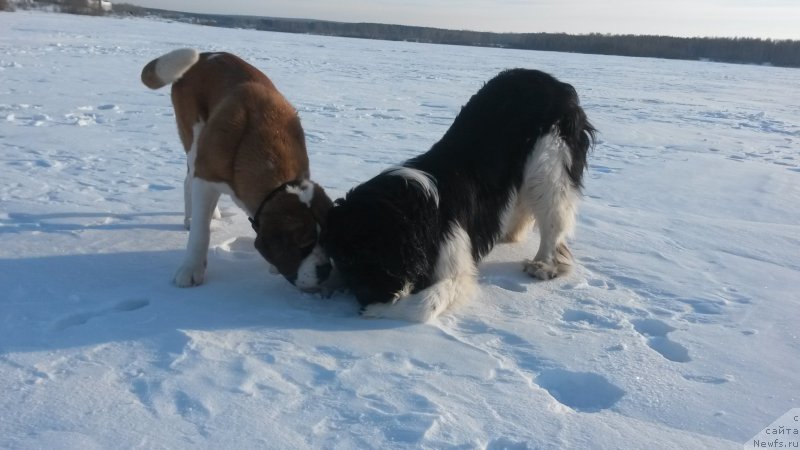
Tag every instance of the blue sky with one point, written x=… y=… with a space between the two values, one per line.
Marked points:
x=777 y=19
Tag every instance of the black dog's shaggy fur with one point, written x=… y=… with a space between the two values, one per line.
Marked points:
x=517 y=150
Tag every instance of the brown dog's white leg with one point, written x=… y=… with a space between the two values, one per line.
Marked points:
x=191 y=156
x=187 y=200
x=187 y=204
x=204 y=200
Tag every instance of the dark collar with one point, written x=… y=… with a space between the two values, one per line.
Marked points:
x=254 y=220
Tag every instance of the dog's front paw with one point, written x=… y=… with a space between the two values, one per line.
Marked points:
x=540 y=269
x=189 y=275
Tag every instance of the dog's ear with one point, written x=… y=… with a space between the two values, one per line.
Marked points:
x=320 y=205
x=303 y=235
x=296 y=229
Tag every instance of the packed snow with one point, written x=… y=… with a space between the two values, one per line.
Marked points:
x=677 y=329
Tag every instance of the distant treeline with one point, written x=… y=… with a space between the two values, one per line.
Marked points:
x=83 y=7
x=783 y=53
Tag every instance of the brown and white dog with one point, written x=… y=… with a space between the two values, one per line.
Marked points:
x=244 y=139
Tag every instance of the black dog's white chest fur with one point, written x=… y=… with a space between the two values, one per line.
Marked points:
x=407 y=241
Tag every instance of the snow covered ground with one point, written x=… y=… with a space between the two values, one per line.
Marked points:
x=678 y=328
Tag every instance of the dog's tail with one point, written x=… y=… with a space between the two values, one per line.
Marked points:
x=169 y=68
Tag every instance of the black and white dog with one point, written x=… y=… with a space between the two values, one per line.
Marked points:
x=407 y=241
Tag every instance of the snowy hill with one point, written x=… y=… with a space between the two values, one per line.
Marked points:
x=678 y=328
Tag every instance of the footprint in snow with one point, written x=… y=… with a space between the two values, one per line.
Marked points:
x=507 y=444
x=130 y=305
x=83 y=318
x=705 y=307
x=582 y=391
x=656 y=333
x=146 y=391
x=38 y=120
x=580 y=319
x=190 y=408
x=159 y=187
x=602 y=284
x=602 y=169
x=708 y=379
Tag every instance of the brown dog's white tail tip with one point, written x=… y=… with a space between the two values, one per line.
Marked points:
x=169 y=68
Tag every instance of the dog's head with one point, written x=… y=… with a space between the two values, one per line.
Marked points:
x=377 y=238
x=287 y=228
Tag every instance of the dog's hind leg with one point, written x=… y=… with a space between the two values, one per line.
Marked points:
x=187 y=199
x=456 y=281
x=191 y=157
x=187 y=203
x=204 y=200
x=550 y=194
x=517 y=221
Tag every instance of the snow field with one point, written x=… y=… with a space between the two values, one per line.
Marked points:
x=678 y=328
